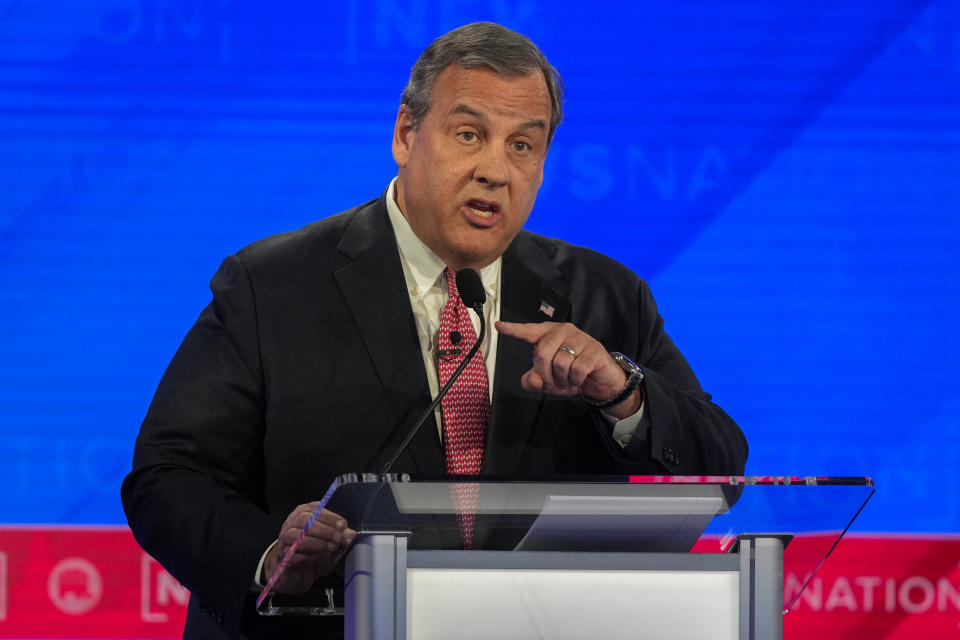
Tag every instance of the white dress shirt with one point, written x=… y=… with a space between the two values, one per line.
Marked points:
x=424 y=271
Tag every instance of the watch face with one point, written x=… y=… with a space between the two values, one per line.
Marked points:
x=625 y=363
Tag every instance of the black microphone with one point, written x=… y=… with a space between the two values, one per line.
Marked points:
x=472 y=294
x=471 y=290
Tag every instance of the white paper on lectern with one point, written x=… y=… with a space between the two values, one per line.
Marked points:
x=620 y=523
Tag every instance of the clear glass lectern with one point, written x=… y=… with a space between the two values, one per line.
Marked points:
x=689 y=556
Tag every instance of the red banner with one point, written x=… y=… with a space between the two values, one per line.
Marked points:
x=95 y=582
x=84 y=582
x=891 y=587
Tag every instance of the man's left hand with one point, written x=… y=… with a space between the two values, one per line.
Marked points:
x=568 y=362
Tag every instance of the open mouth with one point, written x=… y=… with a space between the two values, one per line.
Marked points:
x=483 y=208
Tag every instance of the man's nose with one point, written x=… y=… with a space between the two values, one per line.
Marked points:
x=492 y=166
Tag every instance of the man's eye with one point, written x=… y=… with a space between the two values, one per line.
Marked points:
x=467 y=136
x=521 y=146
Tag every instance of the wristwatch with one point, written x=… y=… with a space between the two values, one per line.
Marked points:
x=634 y=378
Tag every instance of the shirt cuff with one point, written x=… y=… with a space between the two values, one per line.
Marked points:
x=256 y=576
x=630 y=427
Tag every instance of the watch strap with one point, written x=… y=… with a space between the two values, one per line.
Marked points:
x=634 y=378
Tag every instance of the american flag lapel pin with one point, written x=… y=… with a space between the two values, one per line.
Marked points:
x=546 y=308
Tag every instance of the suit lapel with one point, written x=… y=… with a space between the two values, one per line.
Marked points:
x=529 y=279
x=374 y=289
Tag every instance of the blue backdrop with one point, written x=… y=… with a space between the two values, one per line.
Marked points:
x=786 y=175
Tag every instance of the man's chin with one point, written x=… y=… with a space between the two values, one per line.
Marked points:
x=475 y=258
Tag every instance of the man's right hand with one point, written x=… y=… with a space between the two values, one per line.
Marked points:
x=322 y=548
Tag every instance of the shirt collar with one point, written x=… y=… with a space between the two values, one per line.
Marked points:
x=423 y=265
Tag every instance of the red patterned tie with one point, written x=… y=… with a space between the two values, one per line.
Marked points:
x=466 y=407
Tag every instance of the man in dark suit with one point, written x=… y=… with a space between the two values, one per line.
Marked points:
x=319 y=350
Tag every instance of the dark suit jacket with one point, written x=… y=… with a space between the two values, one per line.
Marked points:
x=307 y=365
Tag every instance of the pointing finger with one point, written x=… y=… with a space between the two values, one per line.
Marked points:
x=529 y=332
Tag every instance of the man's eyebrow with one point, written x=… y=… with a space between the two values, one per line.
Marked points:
x=470 y=111
x=462 y=108
x=532 y=123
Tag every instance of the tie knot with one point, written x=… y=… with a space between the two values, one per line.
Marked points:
x=452 y=283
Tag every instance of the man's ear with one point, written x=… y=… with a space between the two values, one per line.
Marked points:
x=403 y=132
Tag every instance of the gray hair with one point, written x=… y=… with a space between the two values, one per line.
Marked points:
x=481 y=45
